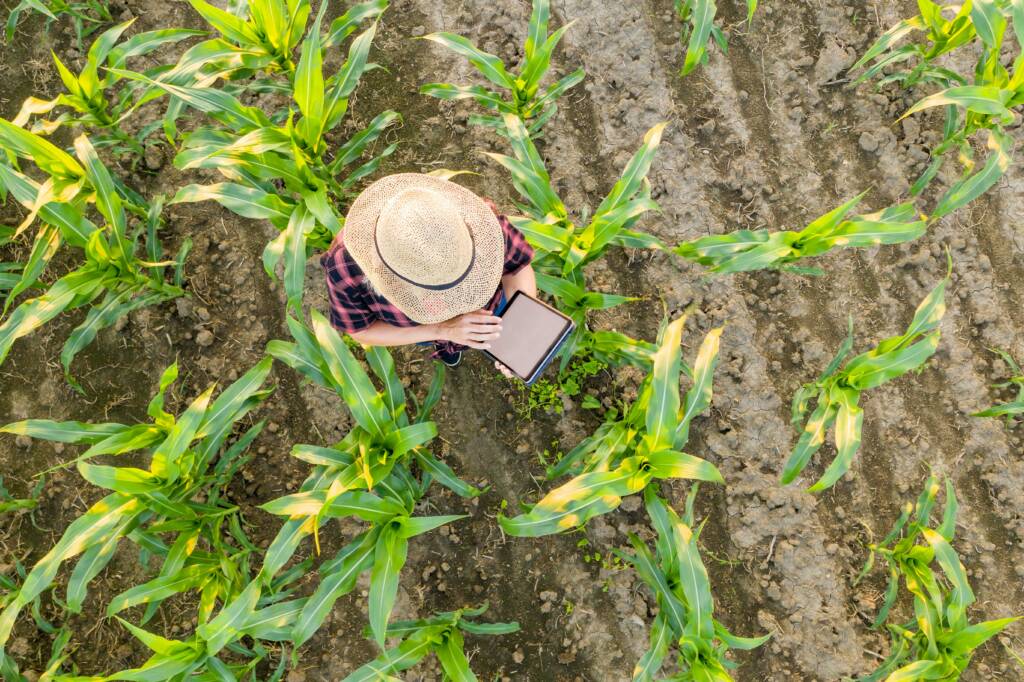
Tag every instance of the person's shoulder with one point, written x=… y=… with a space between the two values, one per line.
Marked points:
x=339 y=264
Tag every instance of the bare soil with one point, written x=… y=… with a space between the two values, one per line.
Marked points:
x=765 y=136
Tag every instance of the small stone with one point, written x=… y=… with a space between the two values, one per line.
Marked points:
x=518 y=656
x=154 y=158
x=204 y=338
x=418 y=30
x=184 y=306
x=868 y=142
x=273 y=427
x=23 y=441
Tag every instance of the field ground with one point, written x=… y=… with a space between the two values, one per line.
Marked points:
x=763 y=137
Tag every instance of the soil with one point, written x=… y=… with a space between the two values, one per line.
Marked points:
x=767 y=136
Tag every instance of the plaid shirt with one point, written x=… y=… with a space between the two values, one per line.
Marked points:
x=354 y=305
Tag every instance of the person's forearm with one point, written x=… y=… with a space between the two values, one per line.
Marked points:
x=384 y=334
x=524 y=280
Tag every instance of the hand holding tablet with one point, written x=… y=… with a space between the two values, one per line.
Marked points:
x=531 y=334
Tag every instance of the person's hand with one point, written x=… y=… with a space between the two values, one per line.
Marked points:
x=504 y=370
x=476 y=329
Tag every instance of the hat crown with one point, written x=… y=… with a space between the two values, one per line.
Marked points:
x=421 y=237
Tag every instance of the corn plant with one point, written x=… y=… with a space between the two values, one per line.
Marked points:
x=838 y=389
x=199 y=656
x=179 y=494
x=93 y=97
x=86 y=15
x=442 y=635
x=987 y=103
x=255 y=50
x=9 y=589
x=367 y=474
x=264 y=38
x=626 y=454
x=1015 y=407
x=939 y=641
x=745 y=250
x=563 y=249
x=112 y=269
x=676 y=576
x=288 y=174
x=699 y=29
x=524 y=100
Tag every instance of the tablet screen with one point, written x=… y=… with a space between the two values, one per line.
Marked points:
x=529 y=329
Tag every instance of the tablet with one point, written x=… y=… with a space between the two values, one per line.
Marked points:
x=531 y=334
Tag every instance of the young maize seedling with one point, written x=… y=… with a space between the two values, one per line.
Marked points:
x=188 y=462
x=367 y=475
x=441 y=635
x=198 y=657
x=111 y=265
x=624 y=455
x=86 y=15
x=91 y=95
x=287 y=174
x=745 y=250
x=938 y=642
x=698 y=17
x=987 y=102
x=525 y=100
x=563 y=249
x=1015 y=407
x=9 y=589
x=838 y=390
x=676 y=576
x=262 y=42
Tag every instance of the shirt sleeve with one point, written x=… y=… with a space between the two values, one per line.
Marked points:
x=518 y=252
x=349 y=309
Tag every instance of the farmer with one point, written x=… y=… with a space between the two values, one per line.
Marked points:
x=424 y=260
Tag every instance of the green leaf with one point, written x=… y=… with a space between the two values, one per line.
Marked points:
x=453 y=659
x=63 y=432
x=309 y=84
x=228 y=624
x=810 y=440
x=230 y=26
x=127 y=480
x=337 y=580
x=661 y=637
x=698 y=398
x=78 y=286
x=487 y=64
x=158 y=589
x=974 y=185
x=980 y=99
x=299 y=225
x=247 y=202
x=849 y=421
x=574 y=503
x=662 y=413
x=347 y=78
x=356 y=389
x=388 y=559
x=673 y=464
x=702 y=18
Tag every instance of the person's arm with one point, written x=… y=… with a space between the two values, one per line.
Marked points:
x=476 y=330
x=523 y=280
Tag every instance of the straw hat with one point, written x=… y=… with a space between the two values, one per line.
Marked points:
x=431 y=247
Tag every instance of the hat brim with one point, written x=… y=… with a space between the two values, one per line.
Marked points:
x=422 y=305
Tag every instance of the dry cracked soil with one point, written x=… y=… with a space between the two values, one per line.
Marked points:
x=768 y=136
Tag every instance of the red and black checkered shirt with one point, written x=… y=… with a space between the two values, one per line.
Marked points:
x=354 y=305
